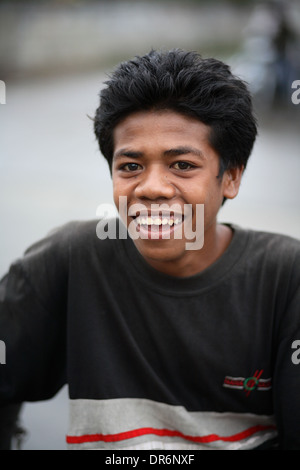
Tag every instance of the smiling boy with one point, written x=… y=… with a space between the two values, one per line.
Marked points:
x=163 y=347
x=164 y=158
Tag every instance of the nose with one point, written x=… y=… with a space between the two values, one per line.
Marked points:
x=154 y=184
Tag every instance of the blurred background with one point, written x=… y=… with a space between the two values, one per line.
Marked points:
x=54 y=57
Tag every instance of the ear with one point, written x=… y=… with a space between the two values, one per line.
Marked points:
x=231 y=182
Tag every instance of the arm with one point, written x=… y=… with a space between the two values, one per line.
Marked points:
x=286 y=383
x=9 y=427
x=33 y=299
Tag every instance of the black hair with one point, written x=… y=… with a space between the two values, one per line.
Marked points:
x=182 y=81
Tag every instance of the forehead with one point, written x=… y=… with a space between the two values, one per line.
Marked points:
x=160 y=126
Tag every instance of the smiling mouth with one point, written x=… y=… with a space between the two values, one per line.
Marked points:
x=157 y=221
x=157 y=226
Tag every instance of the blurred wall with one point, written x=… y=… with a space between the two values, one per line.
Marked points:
x=53 y=37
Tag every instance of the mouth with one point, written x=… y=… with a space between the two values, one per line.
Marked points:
x=157 y=225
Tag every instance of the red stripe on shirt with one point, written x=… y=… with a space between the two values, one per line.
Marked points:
x=166 y=432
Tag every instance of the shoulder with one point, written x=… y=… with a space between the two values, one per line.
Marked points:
x=61 y=238
x=74 y=231
x=74 y=238
x=275 y=245
x=53 y=250
x=273 y=257
x=268 y=243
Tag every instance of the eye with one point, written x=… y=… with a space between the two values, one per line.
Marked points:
x=130 y=167
x=182 y=166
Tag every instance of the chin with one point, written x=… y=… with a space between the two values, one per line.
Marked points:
x=160 y=251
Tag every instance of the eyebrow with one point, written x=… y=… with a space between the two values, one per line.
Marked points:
x=172 y=152
x=127 y=153
x=184 y=150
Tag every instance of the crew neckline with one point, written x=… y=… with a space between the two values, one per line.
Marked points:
x=190 y=285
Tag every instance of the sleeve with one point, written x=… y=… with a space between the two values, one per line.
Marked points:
x=33 y=300
x=10 y=429
x=286 y=379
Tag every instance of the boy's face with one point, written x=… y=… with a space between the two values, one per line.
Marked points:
x=164 y=158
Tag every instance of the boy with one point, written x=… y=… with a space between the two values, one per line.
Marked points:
x=183 y=335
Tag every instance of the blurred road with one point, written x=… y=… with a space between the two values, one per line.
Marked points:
x=51 y=172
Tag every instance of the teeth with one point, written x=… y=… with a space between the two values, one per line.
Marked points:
x=157 y=221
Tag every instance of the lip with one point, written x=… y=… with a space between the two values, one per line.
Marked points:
x=157 y=225
x=155 y=213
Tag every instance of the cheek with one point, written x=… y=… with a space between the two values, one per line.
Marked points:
x=121 y=195
x=118 y=189
x=116 y=198
x=201 y=191
x=209 y=193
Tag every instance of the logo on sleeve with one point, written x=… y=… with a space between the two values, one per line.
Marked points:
x=249 y=384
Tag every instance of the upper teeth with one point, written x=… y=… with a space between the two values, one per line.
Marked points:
x=157 y=220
